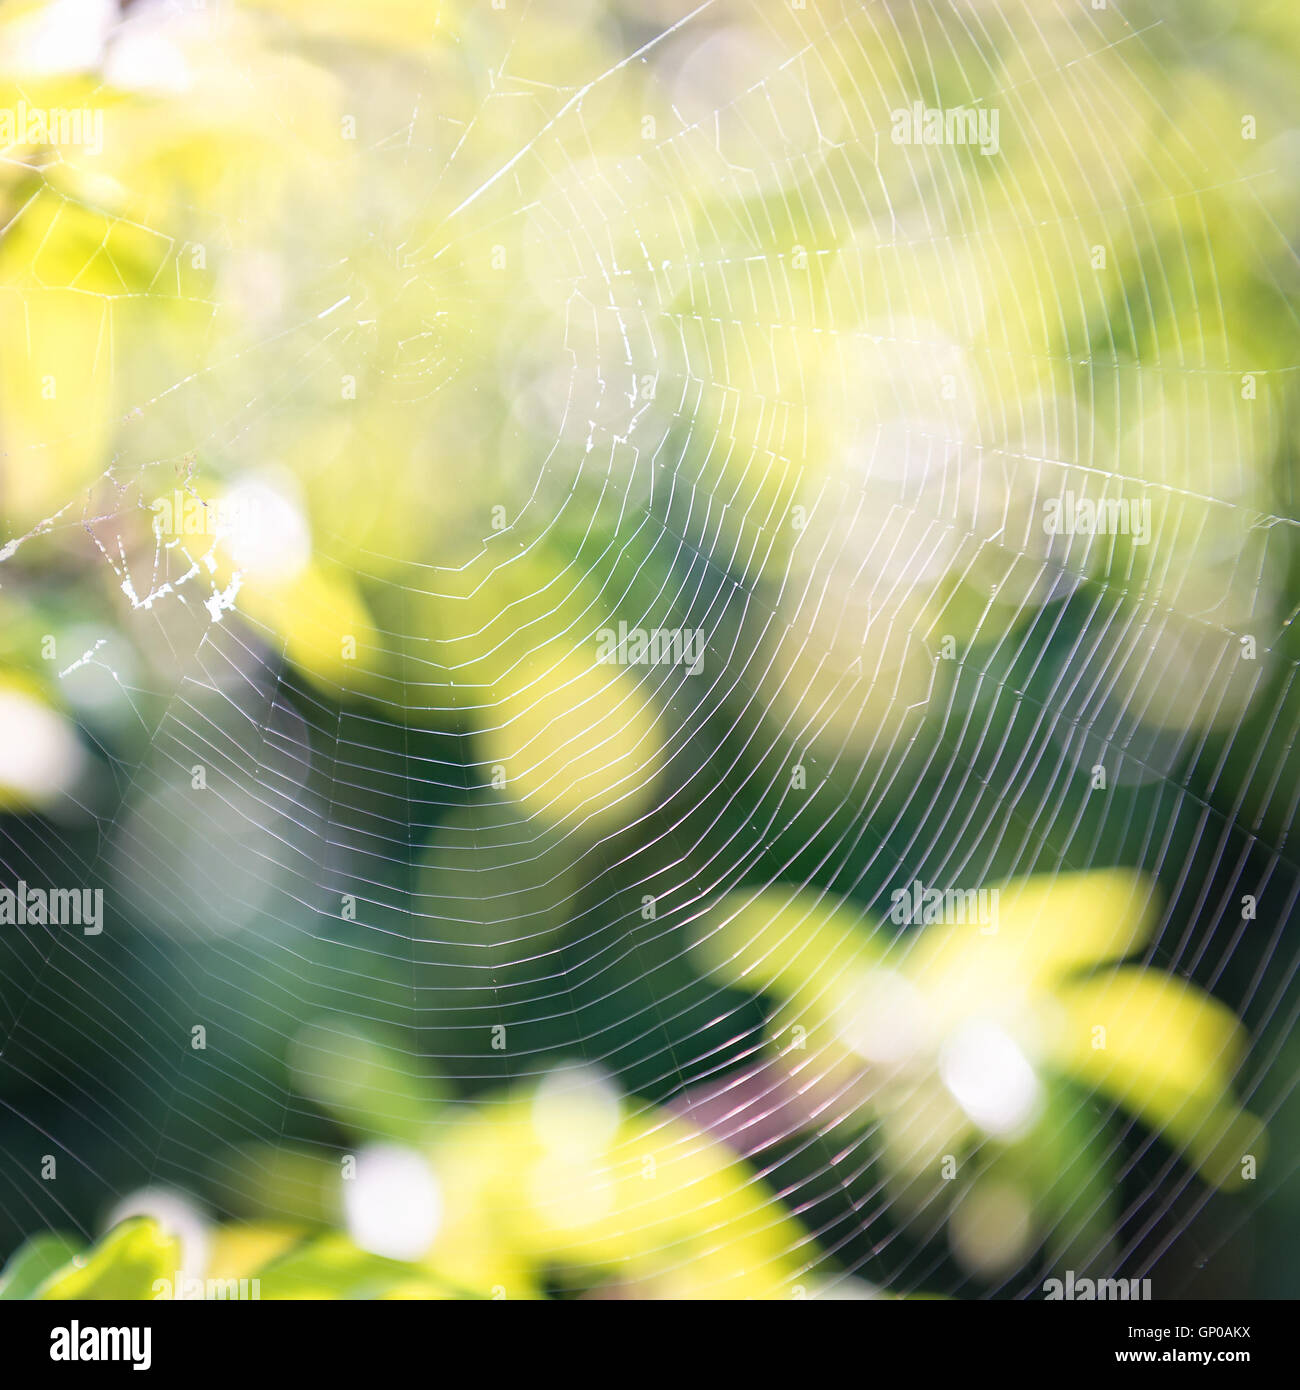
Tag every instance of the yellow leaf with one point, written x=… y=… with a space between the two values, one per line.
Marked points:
x=1168 y=1053
x=578 y=741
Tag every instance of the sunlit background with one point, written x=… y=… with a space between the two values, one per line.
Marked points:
x=364 y=367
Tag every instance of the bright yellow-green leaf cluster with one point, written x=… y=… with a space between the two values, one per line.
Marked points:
x=950 y=1035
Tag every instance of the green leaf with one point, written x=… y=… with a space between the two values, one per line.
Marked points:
x=370 y=1088
x=331 y=1266
x=34 y=1262
x=125 y=1264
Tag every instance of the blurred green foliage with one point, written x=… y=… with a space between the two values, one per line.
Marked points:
x=478 y=370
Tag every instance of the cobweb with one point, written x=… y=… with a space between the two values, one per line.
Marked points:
x=644 y=315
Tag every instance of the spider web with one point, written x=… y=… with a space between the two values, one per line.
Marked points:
x=686 y=340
